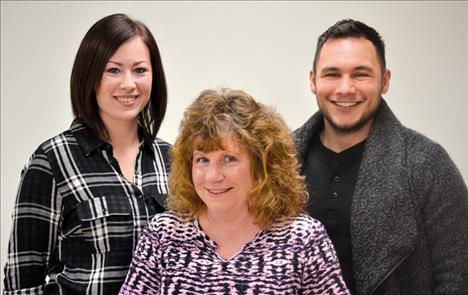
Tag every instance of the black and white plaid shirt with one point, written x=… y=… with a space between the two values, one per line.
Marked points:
x=77 y=220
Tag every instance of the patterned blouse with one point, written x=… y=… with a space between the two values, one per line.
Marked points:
x=77 y=220
x=291 y=257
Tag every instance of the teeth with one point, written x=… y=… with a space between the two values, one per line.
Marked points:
x=126 y=99
x=346 y=104
x=218 y=191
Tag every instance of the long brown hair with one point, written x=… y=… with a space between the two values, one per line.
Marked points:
x=97 y=46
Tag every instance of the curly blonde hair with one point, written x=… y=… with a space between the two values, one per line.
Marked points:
x=279 y=190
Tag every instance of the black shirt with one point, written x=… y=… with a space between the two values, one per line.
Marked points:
x=331 y=178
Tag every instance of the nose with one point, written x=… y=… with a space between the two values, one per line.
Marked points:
x=128 y=81
x=346 y=86
x=214 y=173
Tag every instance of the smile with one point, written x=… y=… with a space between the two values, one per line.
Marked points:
x=219 y=190
x=126 y=99
x=346 y=104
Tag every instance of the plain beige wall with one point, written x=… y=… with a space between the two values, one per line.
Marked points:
x=265 y=48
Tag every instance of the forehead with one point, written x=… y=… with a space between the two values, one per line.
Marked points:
x=347 y=52
x=223 y=142
x=134 y=47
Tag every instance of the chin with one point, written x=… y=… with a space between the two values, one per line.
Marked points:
x=348 y=128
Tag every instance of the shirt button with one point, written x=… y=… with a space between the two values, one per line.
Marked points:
x=334 y=195
x=336 y=179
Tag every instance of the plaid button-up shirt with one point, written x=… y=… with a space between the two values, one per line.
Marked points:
x=77 y=220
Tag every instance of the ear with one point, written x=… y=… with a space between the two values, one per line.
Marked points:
x=386 y=80
x=312 y=81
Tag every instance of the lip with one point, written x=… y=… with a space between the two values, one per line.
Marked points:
x=345 y=104
x=218 y=191
x=126 y=99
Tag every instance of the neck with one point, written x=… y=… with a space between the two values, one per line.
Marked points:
x=230 y=233
x=228 y=221
x=339 y=141
x=122 y=135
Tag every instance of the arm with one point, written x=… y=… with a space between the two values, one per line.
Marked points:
x=36 y=219
x=443 y=204
x=322 y=272
x=143 y=276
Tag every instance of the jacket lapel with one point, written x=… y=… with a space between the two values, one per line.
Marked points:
x=383 y=224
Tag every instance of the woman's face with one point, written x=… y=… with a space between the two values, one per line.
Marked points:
x=223 y=178
x=125 y=86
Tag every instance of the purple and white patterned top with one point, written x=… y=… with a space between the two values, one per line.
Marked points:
x=291 y=257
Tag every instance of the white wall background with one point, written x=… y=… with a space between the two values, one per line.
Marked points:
x=265 y=48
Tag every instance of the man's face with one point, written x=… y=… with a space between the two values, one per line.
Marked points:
x=348 y=83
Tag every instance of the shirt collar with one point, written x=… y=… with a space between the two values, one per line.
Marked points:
x=89 y=142
x=85 y=139
x=145 y=142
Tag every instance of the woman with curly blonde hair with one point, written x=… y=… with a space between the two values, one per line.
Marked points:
x=236 y=200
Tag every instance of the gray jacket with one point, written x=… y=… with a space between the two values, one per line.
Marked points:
x=409 y=216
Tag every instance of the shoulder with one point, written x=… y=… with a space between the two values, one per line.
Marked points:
x=166 y=220
x=422 y=147
x=389 y=129
x=161 y=143
x=303 y=134
x=427 y=158
x=304 y=131
x=430 y=166
x=57 y=142
x=161 y=148
x=409 y=145
x=303 y=228
x=50 y=149
x=168 y=225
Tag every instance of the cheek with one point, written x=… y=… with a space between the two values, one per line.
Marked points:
x=371 y=91
x=147 y=84
x=247 y=178
x=148 y=88
x=197 y=176
x=145 y=91
x=100 y=92
x=100 y=98
x=105 y=89
x=325 y=88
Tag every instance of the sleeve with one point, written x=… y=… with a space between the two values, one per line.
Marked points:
x=143 y=277
x=322 y=272
x=444 y=200
x=34 y=232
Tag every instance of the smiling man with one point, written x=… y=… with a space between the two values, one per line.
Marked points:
x=392 y=201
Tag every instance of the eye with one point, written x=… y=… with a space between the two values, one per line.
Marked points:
x=141 y=70
x=331 y=75
x=113 y=71
x=200 y=160
x=361 y=75
x=228 y=159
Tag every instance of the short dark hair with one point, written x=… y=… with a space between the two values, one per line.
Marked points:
x=96 y=48
x=352 y=28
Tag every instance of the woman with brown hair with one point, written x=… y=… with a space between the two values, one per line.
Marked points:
x=236 y=199
x=86 y=194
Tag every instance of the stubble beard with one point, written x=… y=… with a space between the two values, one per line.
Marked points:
x=363 y=121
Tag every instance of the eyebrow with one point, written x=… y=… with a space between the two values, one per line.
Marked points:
x=363 y=68
x=120 y=64
x=329 y=69
x=224 y=151
x=358 y=68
